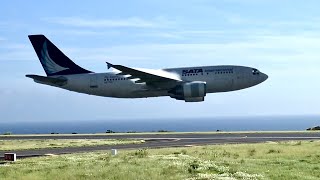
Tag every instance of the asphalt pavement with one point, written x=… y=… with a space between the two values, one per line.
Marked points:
x=158 y=141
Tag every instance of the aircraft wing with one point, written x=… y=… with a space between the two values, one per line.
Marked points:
x=154 y=78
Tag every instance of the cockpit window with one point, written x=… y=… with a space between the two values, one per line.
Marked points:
x=255 y=72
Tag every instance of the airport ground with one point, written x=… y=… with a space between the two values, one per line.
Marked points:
x=250 y=155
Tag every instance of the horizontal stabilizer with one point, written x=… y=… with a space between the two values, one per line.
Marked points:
x=59 y=81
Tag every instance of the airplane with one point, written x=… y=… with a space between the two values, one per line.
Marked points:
x=190 y=84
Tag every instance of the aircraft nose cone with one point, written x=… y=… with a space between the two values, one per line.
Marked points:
x=264 y=77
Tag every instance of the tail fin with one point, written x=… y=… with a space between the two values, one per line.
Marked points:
x=53 y=61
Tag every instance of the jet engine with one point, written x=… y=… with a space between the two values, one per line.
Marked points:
x=189 y=92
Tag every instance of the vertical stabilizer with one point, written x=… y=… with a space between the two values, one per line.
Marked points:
x=53 y=61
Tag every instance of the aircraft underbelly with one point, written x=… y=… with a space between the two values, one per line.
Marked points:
x=125 y=90
x=130 y=93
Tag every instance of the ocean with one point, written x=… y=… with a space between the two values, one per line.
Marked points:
x=252 y=123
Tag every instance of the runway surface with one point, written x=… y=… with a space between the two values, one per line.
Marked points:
x=158 y=141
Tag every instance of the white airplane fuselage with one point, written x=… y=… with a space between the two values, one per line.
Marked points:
x=217 y=78
x=190 y=84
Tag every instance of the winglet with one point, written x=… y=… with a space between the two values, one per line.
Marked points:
x=109 y=65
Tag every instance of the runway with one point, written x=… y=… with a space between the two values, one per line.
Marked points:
x=159 y=141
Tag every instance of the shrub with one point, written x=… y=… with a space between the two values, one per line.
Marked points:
x=183 y=151
x=298 y=143
x=273 y=151
x=226 y=153
x=193 y=167
x=141 y=153
x=161 y=130
x=252 y=152
x=132 y=132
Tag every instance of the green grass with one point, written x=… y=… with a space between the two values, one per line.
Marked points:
x=284 y=160
x=60 y=143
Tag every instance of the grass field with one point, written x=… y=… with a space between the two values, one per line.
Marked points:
x=283 y=160
x=59 y=143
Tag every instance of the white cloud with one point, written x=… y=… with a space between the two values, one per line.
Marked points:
x=131 y=22
x=279 y=48
x=276 y=51
x=78 y=32
x=269 y=50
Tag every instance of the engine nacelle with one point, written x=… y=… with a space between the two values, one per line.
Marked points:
x=189 y=92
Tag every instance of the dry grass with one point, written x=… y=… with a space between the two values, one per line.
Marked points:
x=59 y=143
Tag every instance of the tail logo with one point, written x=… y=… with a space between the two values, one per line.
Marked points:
x=49 y=65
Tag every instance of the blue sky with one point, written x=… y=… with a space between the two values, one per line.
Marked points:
x=281 y=38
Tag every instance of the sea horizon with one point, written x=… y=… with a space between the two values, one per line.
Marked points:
x=242 y=123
